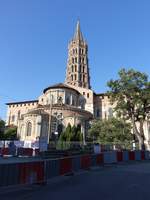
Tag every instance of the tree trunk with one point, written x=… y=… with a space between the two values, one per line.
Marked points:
x=142 y=134
x=139 y=135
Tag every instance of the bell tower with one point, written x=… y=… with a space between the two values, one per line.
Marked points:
x=77 y=73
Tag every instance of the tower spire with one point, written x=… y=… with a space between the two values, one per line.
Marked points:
x=78 y=34
x=77 y=72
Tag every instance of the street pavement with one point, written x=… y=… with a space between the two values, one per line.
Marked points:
x=114 y=182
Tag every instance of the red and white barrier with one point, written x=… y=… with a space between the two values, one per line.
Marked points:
x=32 y=172
x=41 y=171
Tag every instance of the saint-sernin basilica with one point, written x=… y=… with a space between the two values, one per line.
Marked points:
x=71 y=102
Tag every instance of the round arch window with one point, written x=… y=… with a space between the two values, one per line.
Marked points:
x=29 y=129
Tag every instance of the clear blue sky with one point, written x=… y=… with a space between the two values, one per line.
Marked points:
x=34 y=35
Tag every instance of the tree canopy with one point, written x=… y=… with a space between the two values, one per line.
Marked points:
x=2 y=128
x=7 y=133
x=131 y=95
x=69 y=137
x=111 y=131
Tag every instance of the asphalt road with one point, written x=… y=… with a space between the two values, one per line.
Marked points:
x=121 y=182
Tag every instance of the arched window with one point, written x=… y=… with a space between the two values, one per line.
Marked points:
x=75 y=68
x=13 y=118
x=75 y=77
x=72 y=60
x=72 y=68
x=97 y=113
x=29 y=129
x=68 y=100
x=76 y=60
x=19 y=114
x=73 y=102
x=71 y=77
x=83 y=78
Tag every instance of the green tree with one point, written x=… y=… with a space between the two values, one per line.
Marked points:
x=10 y=133
x=70 y=135
x=131 y=93
x=111 y=131
x=2 y=128
x=76 y=134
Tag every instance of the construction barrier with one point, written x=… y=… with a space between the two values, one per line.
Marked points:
x=52 y=168
x=147 y=155
x=125 y=156
x=119 y=156
x=76 y=163
x=32 y=172
x=131 y=155
x=100 y=159
x=9 y=174
x=94 y=160
x=142 y=155
x=110 y=157
x=65 y=166
x=138 y=155
x=85 y=162
x=41 y=171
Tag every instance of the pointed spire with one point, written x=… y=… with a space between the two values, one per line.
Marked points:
x=78 y=34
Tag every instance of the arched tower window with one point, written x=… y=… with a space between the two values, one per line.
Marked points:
x=71 y=77
x=72 y=68
x=75 y=68
x=83 y=78
x=29 y=129
x=72 y=60
x=75 y=77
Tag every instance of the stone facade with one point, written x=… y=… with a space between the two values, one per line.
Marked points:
x=71 y=102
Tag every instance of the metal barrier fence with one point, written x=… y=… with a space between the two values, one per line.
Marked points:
x=58 y=146
x=41 y=171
